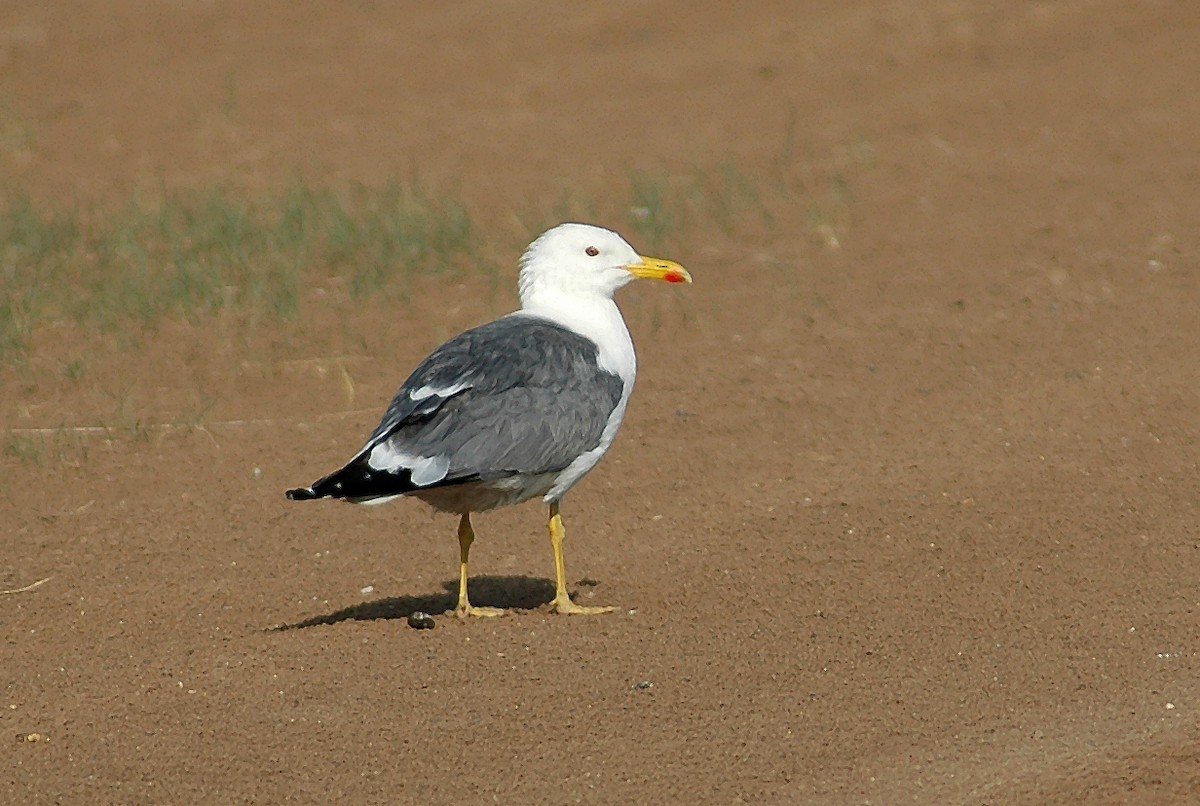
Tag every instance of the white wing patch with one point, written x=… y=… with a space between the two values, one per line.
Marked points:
x=372 y=502
x=429 y=470
x=424 y=392
x=425 y=470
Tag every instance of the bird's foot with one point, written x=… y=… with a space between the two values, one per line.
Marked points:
x=563 y=604
x=467 y=610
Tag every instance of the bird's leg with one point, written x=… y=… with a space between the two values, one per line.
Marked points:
x=562 y=600
x=466 y=536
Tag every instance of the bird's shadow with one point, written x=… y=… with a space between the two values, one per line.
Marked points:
x=508 y=592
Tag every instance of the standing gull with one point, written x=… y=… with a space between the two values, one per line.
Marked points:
x=520 y=407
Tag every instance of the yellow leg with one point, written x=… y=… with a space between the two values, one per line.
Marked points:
x=562 y=600
x=466 y=536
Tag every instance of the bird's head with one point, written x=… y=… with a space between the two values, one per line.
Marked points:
x=580 y=260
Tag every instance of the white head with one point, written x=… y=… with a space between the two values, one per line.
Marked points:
x=586 y=262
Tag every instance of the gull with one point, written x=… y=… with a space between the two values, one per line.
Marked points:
x=519 y=408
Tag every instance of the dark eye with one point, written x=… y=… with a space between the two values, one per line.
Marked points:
x=592 y=251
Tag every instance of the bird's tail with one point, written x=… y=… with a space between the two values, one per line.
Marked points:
x=357 y=482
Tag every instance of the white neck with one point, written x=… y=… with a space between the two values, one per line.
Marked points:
x=594 y=317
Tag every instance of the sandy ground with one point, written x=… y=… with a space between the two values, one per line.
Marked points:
x=905 y=507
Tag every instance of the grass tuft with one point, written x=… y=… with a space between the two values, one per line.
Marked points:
x=194 y=254
x=25 y=450
x=653 y=209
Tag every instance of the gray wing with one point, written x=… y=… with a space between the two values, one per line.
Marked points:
x=518 y=395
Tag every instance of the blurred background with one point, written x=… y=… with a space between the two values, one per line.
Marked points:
x=905 y=506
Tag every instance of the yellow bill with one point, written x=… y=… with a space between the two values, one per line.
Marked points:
x=655 y=268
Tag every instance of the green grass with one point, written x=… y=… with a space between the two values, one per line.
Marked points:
x=25 y=450
x=188 y=256
x=59 y=447
x=191 y=255
x=654 y=209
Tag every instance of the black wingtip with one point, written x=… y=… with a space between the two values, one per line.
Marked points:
x=302 y=494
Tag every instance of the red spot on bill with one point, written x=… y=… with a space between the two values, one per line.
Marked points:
x=673 y=277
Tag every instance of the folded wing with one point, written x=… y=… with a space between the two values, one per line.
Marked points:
x=518 y=396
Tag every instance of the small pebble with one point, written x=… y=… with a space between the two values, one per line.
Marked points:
x=421 y=621
x=32 y=737
x=368 y=589
x=643 y=685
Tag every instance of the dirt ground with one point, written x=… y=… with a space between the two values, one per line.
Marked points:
x=904 y=510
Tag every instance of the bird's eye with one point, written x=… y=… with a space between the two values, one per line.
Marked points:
x=592 y=251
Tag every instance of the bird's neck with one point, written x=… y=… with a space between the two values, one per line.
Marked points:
x=595 y=318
